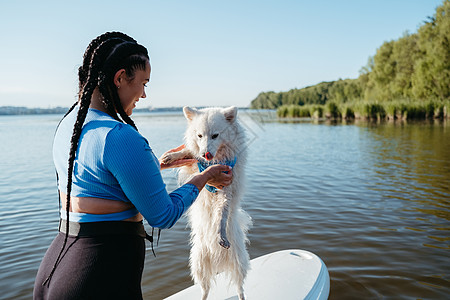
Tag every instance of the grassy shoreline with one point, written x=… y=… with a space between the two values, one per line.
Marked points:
x=392 y=110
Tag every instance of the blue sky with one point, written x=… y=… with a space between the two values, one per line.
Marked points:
x=203 y=53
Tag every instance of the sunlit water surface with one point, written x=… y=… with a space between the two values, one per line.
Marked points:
x=372 y=200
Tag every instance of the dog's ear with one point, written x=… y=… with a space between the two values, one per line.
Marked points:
x=189 y=112
x=230 y=113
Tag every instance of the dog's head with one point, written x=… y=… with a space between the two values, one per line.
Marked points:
x=211 y=132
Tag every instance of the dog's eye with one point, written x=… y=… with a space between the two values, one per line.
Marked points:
x=214 y=136
x=199 y=136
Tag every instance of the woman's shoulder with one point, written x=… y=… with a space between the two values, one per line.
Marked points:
x=124 y=140
x=121 y=133
x=94 y=119
x=101 y=126
x=126 y=133
x=102 y=122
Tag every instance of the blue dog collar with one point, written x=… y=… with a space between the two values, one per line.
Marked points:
x=203 y=165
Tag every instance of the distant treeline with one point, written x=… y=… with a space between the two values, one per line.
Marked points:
x=412 y=70
x=19 y=110
x=391 y=110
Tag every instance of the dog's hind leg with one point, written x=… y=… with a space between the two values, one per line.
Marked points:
x=240 y=260
x=240 y=286
x=205 y=290
x=241 y=294
x=223 y=226
x=201 y=267
x=241 y=266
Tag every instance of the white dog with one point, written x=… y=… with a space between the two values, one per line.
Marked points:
x=218 y=223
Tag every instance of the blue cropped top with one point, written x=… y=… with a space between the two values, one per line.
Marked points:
x=115 y=162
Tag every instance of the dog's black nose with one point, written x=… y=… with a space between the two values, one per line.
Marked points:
x=208 y=156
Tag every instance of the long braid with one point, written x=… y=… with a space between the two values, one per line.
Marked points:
x=81 y=116
x=88 y=90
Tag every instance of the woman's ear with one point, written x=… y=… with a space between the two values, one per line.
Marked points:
x=119 y=77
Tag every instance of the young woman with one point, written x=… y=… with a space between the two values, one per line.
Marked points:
x=110 y=180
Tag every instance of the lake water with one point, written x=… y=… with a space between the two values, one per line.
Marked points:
x=372 y=200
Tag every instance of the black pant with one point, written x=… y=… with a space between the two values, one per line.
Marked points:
x=98 y=267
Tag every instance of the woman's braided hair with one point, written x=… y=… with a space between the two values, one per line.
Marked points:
x=105 y=55
x=84 y=68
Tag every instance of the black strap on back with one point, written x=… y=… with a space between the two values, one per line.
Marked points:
x=150 y=238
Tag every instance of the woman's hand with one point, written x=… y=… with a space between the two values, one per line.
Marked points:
x=183 y=161
x=220 y=176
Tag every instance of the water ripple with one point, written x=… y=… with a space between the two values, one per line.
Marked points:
x=373 y=201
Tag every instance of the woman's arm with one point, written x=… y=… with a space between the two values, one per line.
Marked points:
x=131 y=161
x=213 y=176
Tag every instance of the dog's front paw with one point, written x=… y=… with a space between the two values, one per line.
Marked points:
x=168 y=158
x=224 y=243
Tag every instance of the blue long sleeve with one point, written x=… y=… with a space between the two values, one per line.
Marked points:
x=131 y=161
x=115 y=162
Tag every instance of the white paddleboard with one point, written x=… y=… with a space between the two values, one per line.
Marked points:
x=287 y=274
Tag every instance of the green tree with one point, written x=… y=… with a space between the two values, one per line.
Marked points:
x=413 y=67
x=383 y=73
x=405 y=53
x=432 y=71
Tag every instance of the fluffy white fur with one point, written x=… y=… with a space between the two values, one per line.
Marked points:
x=218 y=223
